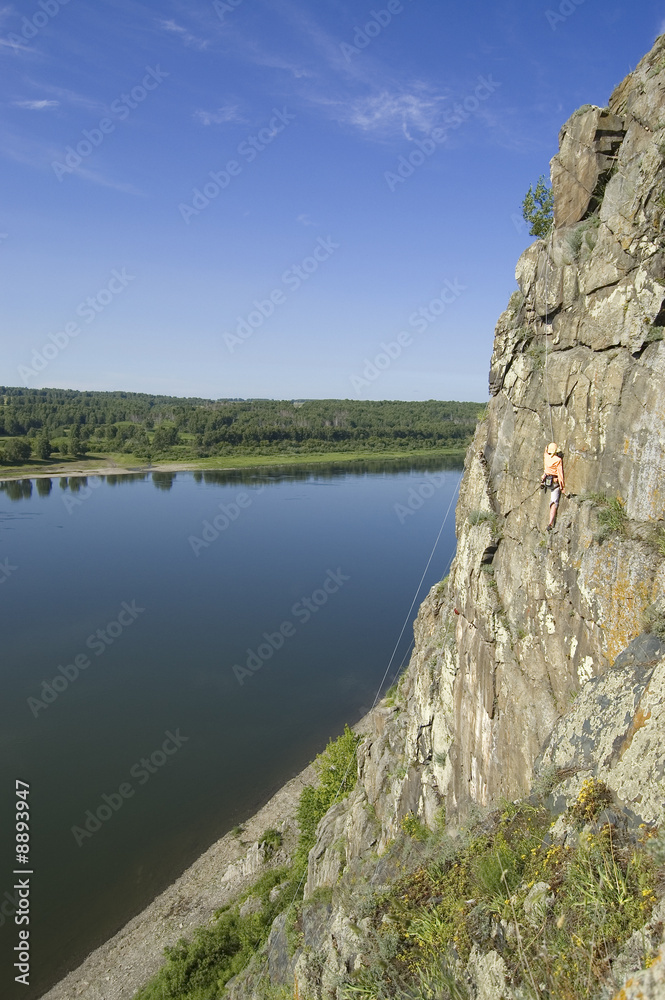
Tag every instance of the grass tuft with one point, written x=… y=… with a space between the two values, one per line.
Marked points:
x=653 y=620
x=558 y=913
x=611 y=512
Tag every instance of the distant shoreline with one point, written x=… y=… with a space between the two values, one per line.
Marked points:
x=110 y=468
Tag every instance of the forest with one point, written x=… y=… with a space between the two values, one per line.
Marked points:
x=52 y=424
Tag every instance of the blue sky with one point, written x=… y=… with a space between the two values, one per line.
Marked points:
x=204 y=198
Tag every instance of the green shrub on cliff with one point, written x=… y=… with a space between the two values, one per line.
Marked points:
x=337 y=773
x=612 y=517
x=653 y=620
x=199 y=968
x=557 y=913
x=659 y=540
x=538 y=209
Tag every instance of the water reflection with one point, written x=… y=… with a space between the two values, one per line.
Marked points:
x=21 y=489
x=129 y=477
x=163 y=480
x=17 y=489
x=330 y=470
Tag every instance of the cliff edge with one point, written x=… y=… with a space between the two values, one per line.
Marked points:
x=527 y=620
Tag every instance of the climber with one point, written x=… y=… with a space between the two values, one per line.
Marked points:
x=553 y=479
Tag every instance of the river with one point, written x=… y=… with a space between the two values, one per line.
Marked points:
x=174 y=647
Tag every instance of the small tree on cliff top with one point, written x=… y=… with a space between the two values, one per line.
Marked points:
x=538 y=209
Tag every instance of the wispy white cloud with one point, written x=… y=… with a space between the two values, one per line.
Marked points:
x=390 y=112
x=227 y=113
x=305 y=220
x=193 y=41
x=363 y=94
x=6 y=43
x=95 y=177
x=71 y=97
x=36 y=105
x=32 y=152
x=271 y=60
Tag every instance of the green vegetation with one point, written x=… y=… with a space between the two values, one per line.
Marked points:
x=16 y=452
x=557 y=915
x=653 y=620
x=270 y=840
x=337 y=774
x=516 y=301
x=538 y=209
x=612 y=517
x=480 y=516
x=412 y=827
x=73 y=424
x=390 y=696
x=476 y=517
x=655 y=334
x=583 y=238
x=659 y=540
x=199 y=968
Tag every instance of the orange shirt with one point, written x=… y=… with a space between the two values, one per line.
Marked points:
x=554 y=467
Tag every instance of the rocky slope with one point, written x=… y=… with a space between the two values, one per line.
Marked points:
x=527 y=620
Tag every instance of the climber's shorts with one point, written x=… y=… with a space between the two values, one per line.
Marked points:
x=555 y=495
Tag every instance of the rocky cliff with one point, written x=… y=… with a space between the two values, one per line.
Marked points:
x=525 y=619
x=529 y=620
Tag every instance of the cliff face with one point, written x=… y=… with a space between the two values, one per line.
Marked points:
x=527 y=618
x=520 y=668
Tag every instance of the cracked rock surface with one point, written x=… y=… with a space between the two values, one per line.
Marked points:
x=529 y=625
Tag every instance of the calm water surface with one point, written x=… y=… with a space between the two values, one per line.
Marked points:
x=157 y=590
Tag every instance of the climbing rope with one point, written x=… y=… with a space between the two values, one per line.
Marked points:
x=415 y=596
x=383 y=679
x=547 y=381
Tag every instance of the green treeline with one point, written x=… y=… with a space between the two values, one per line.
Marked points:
x=41 y=422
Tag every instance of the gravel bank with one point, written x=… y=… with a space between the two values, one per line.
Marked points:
x=125 y=962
